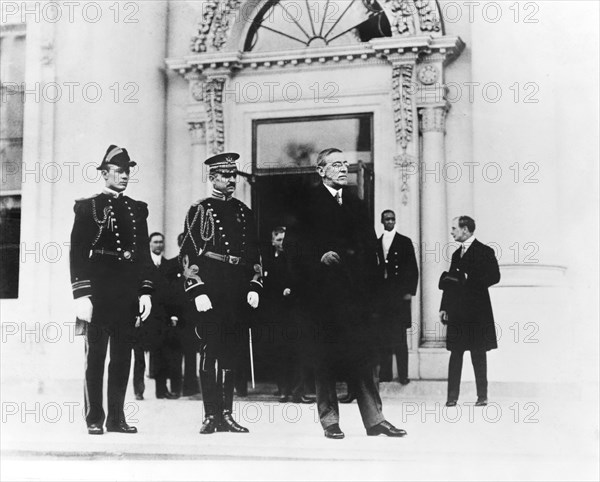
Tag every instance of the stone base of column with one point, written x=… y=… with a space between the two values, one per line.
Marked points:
x=433 y=363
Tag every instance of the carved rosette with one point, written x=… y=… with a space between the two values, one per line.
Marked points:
x=433 y=119
x=403 y=104
x=197 y=132
x=215 y=125
x=428 y=16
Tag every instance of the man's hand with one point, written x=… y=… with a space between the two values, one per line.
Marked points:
x=407 y=297
x=253 y=299
x=145 y=306
x=444 y=317
x=174 y=320
x=84 y=308
x=287 y=292
x=203 y=303
x=330 y=258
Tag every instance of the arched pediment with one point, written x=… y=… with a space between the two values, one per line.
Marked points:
x=234 y=25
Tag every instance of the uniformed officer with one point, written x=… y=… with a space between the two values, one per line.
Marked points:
x=223 y=276
x=110 y=262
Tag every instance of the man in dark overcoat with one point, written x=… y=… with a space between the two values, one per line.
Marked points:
x=399 y=276
x=222 y=269
x=110 y=266
x=466 y=308
x=333 y=254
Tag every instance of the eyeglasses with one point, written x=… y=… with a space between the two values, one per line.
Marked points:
x=337 y=164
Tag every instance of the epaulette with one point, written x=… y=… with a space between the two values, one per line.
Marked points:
x=89 y=198
x=200 y=201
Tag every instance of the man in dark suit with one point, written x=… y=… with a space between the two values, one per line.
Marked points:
x=110 y=263
x=466 y=308
x=333 y=253
x=166 y=350
x=222 y=270
x=399 y=275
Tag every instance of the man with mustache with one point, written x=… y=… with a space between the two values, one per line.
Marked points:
x=111 y=282
x=223 y=278
x=333 y=252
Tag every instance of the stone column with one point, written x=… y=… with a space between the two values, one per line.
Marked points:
x=199 y=172
x=434 y=225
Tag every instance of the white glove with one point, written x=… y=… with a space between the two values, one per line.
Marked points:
x=84 y=308
x=330 y=258
x=203 y=303
x=253 y=299
x=145 y=306
x=287 y=292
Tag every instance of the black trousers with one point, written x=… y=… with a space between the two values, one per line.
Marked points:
x=139 y=369
x=97 y=341
x=363 y=382
x=479 y=360
x=399 y=349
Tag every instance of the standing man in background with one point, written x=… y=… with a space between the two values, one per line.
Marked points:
x=399 y=276
x=110 y=263
x=223 y=278
x=466 y=308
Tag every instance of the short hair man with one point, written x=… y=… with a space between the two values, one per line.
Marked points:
x=110 y=262
x=223 y=276
x=466 y=307
x=333 y=250
x=399 y=275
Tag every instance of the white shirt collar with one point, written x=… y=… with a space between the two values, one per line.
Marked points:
x=111 y=193
x=389 y=234
x=333 y=192
x=467 y=243
x=156 y=258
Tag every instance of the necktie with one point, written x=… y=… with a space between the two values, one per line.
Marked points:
x=462 y=250
x=338 y=198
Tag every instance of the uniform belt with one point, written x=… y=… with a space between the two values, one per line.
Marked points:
x=127 y=255
x=225 y=258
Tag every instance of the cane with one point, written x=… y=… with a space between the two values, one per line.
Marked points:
x=251 y=357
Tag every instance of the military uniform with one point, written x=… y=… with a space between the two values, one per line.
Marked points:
x=109 y=261
x=220 y=258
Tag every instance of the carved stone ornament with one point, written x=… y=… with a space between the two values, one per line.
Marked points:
x=406 y=164
x=428 y=16
x=197 y=90
x=428 y=74
x=402 y=12
x=403 y=103
x=216 y=22
x=433 y=119
x=197 y=132
x=215 y=125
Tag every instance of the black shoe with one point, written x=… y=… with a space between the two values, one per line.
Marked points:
x=334 y=431
x=302 y=399
x=168 y=395
x=228 y=424
x=386 y=428
x=121 y=428
x=348 y=398
x=284 y=399
x=451 y=403
x=481 y=402
x=210 y=425
x=139 y=396
x=190 y=393
x=95 y=429
x=404 y=381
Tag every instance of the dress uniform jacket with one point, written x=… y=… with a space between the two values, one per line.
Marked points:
x=220 y=258
x=110 y=261
x=110 y=257
x=339 y=298
x=399 y=275
x=467 y=302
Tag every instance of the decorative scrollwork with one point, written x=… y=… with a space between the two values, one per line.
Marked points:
x=428 y=16
x=213 y=102
x=403 y=110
